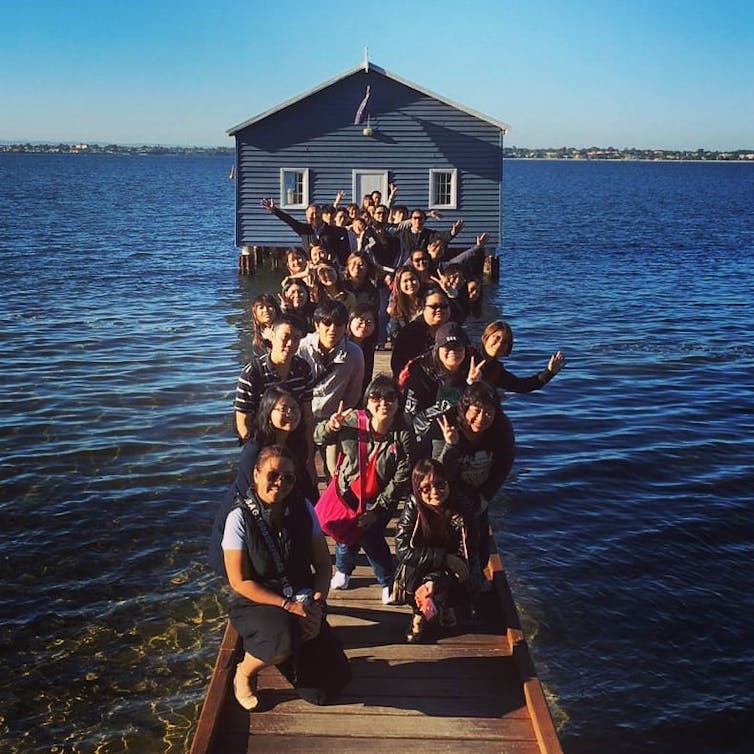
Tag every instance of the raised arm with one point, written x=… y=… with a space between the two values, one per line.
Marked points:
x=393 y=190
x=297 y=225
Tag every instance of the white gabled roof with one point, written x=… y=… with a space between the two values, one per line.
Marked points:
x=365 y=66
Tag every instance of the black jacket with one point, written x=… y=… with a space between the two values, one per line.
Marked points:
x=420 y=558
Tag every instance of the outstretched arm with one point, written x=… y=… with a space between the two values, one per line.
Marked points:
x=297 y=225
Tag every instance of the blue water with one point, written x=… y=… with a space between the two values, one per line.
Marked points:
x=625 y=526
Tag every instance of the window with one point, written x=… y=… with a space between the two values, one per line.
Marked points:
x=443 y=189
x=294 y=188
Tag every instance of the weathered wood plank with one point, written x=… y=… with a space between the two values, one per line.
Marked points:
x=274 y=744
x=286 y=701
x=377 y=686
x=379 y=724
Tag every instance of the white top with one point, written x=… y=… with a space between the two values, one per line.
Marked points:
x=234 y=534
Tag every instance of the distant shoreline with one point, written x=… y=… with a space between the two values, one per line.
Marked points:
x=569 y=154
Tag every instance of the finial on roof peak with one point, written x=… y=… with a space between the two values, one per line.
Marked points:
x=366 y=59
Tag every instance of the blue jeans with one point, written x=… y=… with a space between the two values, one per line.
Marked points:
x=375 y=548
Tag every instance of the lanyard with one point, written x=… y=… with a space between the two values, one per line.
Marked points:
x=252 y=505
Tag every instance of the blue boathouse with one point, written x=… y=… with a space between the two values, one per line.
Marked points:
x=441 y=155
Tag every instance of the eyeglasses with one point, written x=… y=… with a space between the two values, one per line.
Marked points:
x=287 y=410
x=420 y=260
x=486 y=411
x=439 y=486
x=330 y=322
x=416 y=217
x=364 y=320
x=275 y=476
x=437 y=307
x=388 y=398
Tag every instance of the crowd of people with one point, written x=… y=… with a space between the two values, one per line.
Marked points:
x=428 y=443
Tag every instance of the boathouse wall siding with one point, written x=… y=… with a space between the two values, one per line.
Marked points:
x=413 y=133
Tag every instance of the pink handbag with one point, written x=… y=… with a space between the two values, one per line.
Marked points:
x=336 y=518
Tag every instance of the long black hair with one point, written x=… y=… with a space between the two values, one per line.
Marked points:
x=263 y=433
x=433 y=523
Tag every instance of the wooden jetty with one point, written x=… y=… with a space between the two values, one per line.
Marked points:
x=474 y=688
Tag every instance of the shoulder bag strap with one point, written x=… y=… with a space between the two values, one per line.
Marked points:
x=363 y=454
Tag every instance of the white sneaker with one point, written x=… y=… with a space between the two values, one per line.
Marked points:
x=340 y=581
x=387 y=596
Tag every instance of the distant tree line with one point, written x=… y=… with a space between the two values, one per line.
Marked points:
x=632 y=153
x=115 y=149
x=557 y=153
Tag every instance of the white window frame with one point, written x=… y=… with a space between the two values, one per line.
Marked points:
x=432 y=204
x=284 y=203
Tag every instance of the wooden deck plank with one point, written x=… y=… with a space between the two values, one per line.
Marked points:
x=274 y=744
x=378 y=686
x=370 y=725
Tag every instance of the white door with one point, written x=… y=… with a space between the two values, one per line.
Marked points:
x=366 y=181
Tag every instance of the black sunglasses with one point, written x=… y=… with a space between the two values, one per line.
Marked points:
x=388 y=397
x=329 y=321
x=276 y=476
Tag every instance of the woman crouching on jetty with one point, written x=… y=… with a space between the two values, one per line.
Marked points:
x=497 y=343
x=278 y=566
x=436 y=547
x=385 y=479
x=474 y=442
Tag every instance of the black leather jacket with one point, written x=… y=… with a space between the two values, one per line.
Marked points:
x=420 y=558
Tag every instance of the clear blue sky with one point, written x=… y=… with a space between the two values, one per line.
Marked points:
x=645 y=73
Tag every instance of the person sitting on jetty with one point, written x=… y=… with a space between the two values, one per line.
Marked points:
x=362 y=329
x=385 y=256
x=435 y=542
x=318 y=254
x=497 y=341
x=418 y=236
x=420 y=261
x=433 y=382
x=329 y=286
x=295 y=301
x=357 y=280
x=418 y=335
x=279 y=366
x=474 y=441
x=399 y=213
x=313 y=231
x=385 y=481
x=264 y=311
x=405 y=302
x=297 y=263
x=278 y=421
x=337 y=367
x=451 y=279
x=277 y=564
x=360 y=236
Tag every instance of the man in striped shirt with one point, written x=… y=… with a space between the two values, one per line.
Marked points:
x=280 y=366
